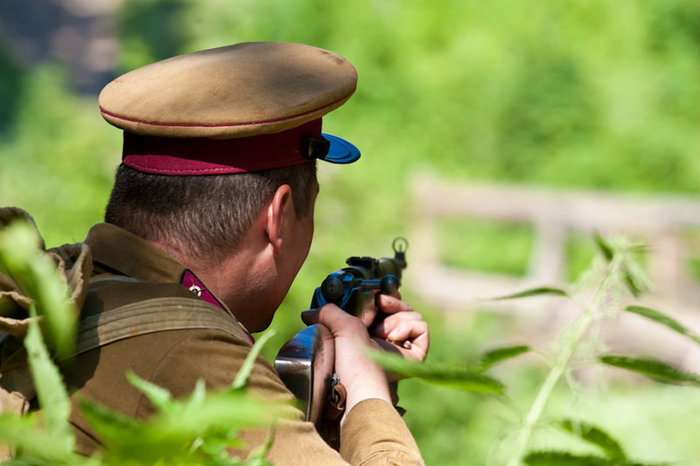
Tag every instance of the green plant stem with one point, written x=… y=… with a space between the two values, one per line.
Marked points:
x=577 y=330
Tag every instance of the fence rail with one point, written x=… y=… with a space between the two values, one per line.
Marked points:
x=665 y=223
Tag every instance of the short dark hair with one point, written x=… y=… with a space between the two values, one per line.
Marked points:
x=201 y=214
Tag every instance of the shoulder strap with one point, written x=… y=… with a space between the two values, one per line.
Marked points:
x=131 y=320
x=151 y=316
x=140 y=318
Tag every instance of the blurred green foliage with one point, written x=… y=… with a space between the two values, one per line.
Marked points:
x=57 y=157
x=11 y=85
x=584 y=93
x=587 y=93
x=150 y=31
x=469 y=244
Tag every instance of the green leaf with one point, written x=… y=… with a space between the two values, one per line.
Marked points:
x=534 y=292
x=39 y=459
x=561 y=458
x=127 y=440
x=459 y=378
x=634 y=287
x=199 y=393
x=596 y=436
x=219 y=410
x=497 y=355
x=28 y=434
x=664 y=319
x=247 y=367
x=257 y=456
x=21 y=260
x=653 y=368
x=107 y=423
x=37 y=277
x=170 y=434
x=160 y=397
x=564 y=458
x=603 y=246
x=50 y=389
x=191 y=430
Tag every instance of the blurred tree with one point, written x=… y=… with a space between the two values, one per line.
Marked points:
x=150 y=30
x=78 y=34
x=10 y=88
x=548 y=107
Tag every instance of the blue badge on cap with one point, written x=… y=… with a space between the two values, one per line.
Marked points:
x=340 y=150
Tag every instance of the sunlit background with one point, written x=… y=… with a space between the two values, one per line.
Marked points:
x=496 y=136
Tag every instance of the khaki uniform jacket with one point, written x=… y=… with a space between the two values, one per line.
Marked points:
x=373 y=433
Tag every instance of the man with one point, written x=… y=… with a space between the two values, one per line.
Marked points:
x=214 y=201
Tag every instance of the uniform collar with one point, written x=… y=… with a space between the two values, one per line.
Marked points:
x=123 y=252
x=128 y=254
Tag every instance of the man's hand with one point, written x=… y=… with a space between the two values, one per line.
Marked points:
x=363 y=378
x=403 y=330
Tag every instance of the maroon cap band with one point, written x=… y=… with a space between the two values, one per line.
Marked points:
x=204 y=156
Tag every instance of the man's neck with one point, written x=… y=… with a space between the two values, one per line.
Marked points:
x=238 y=279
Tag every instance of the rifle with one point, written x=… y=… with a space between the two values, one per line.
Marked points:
x=305 y=363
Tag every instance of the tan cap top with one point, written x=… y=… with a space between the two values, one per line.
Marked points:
x=235 y=91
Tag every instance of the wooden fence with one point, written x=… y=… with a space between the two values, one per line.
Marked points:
x=670 y=225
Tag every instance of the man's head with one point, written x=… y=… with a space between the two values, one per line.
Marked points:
x=251 y=109
x=219 y=156
x=203 y=216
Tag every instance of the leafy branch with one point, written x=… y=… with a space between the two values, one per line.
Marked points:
x=620 y=272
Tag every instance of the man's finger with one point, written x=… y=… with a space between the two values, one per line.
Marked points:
x=383 y=328
x=391 y=304
x=369 y=311
x=407 y=330
x=310 y=316
x=338 y=321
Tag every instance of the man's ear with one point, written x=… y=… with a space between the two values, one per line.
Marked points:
x=278 y=211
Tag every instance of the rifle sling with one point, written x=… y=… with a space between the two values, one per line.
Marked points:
x=127 y=321
x=151 y=316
